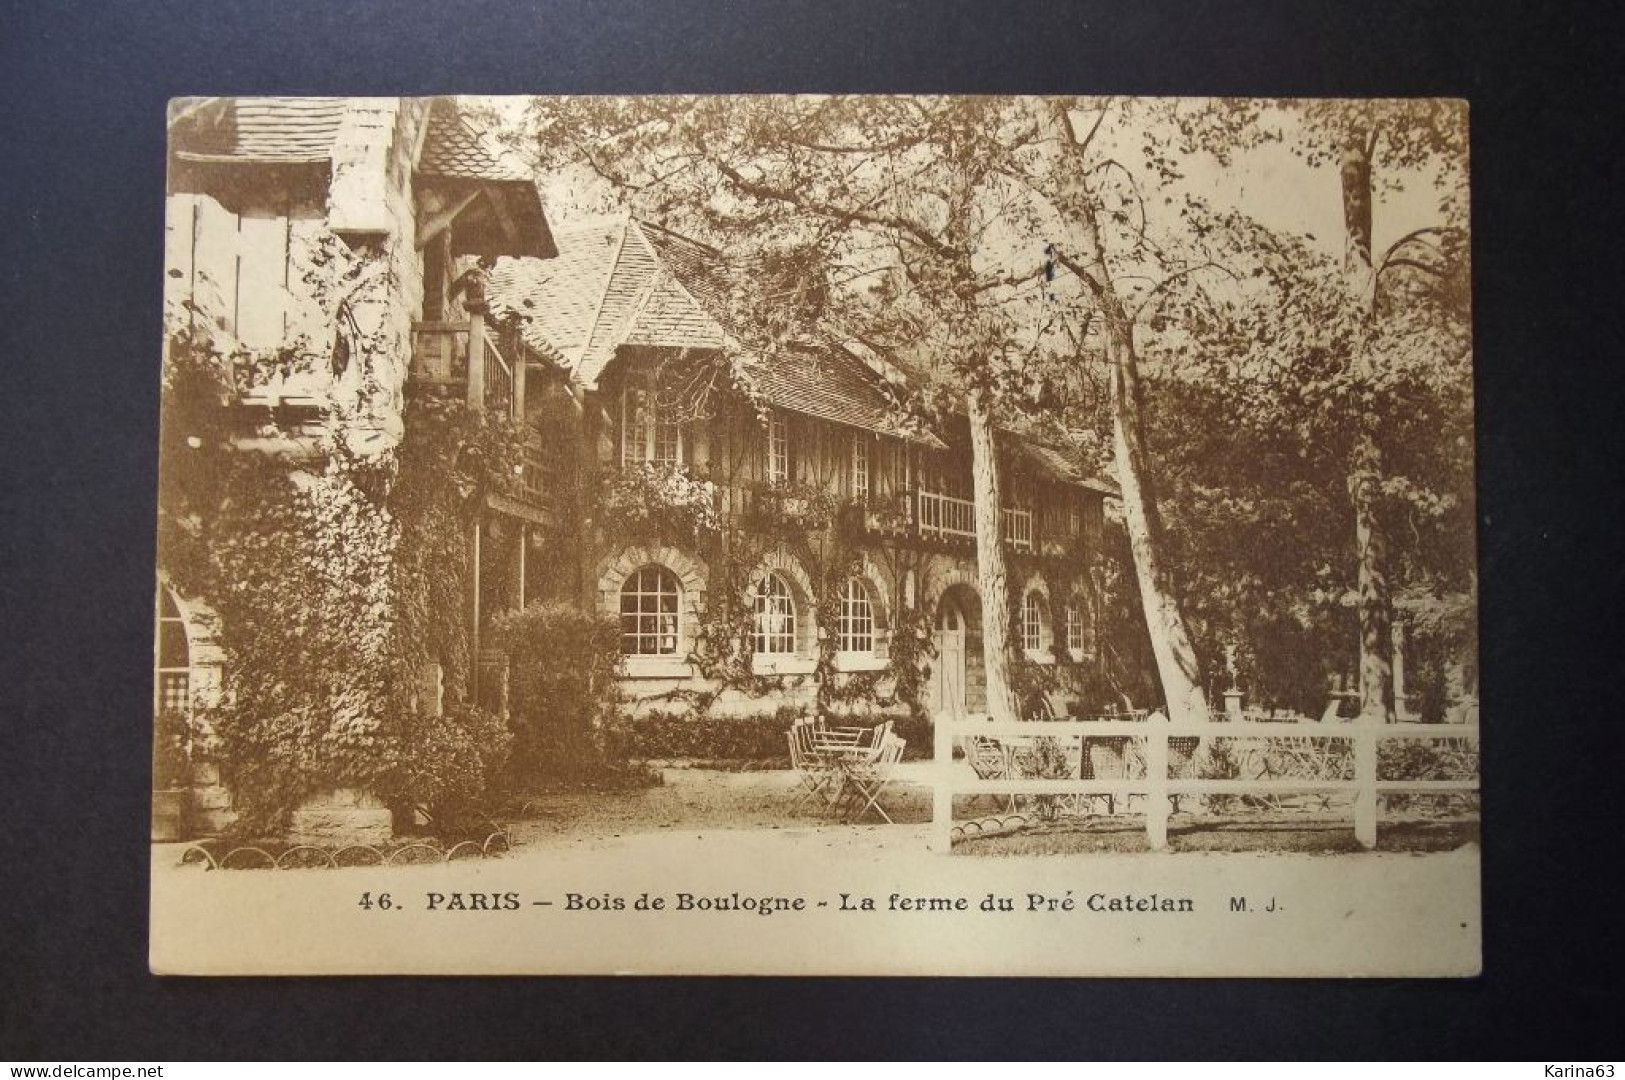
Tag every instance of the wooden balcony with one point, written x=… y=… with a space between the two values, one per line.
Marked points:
x=466 y=360
x=1018 y=528
x=947 y=519
x=944 y=517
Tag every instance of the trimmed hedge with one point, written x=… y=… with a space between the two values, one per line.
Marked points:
x=740 y=739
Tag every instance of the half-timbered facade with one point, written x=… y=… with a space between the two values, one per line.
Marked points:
x=857 y=519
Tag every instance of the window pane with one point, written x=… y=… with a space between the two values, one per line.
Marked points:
x=1031 y=625
x=174 y=690
x=668 y=452
x=649 y=613
x=778 y=450
x=636 y=426
x=856 y=624
x=775 y=617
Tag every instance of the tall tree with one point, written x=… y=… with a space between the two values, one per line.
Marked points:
x=1397 y=134
x=1085 y=255
x=1397 y=326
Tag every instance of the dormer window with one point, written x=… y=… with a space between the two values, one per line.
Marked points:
x=647 y=438
x=778 y=450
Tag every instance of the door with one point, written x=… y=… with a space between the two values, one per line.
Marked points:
x=950 y=659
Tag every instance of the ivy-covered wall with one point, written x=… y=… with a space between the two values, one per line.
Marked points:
x=331 y=542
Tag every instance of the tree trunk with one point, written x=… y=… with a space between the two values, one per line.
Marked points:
x=1177 y=667
x=991 y=578
x=1365 y=464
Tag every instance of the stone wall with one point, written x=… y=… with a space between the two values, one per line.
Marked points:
x=353 y=274
x=372 y=208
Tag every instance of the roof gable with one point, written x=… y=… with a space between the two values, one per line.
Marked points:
x=634 y=283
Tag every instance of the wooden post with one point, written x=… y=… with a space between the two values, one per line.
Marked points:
x=476 y=361
x=519 y=570
x=519 y=382
x=942 y=793
x=1156 y=775
x=474 y=613
x=1365 y=777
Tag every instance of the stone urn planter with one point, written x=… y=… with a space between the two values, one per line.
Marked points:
x=341 y=816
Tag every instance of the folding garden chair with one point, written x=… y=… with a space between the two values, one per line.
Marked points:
x=867 y=776
x=813 y=769
x=989 y=760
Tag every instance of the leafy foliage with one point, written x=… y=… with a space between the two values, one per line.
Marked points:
x=563 y=667
x=659 y=503
x=338 y=578
x=449 y=767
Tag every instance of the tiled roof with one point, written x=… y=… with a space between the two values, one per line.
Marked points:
x=273 y=130
x=558 y=298
x=1059 y=466
x=632 y=283
x=287 y=130
x=832 y=384
x=455 y=148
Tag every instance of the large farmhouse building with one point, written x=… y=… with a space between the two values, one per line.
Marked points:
x=846 y=520
x=771 y=524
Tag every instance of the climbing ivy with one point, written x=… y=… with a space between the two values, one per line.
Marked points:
x=817 y=530
x=338 y=576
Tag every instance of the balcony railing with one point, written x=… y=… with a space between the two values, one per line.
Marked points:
x=535 y=486
x=946 y=517
x=1018 y=528
x=465 y=359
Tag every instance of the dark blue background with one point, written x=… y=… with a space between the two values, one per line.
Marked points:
x=81 y=130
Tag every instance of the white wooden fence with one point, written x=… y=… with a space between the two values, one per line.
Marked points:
x=956 y=778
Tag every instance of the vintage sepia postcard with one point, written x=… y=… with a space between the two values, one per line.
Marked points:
x=816 y=535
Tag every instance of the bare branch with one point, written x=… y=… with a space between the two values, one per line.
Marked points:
x=1416 y=236
x=1393 y=263
x=851 y=215
x=1180 y=275
x=1098 y=288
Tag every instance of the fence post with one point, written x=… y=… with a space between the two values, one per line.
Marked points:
x=942 y=794
x=1156 y=776
x=1365 y=777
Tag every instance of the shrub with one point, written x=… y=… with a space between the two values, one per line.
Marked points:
x=746 y=738
x=449 y=766
x=1426 y=759
x=1217 y=759
x=563 y=695
x=685 y=735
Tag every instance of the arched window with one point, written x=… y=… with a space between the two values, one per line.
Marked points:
x=775 y=617
x=172 y=676
x=649 y=613
x=1032 y=622
x=856 y=626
